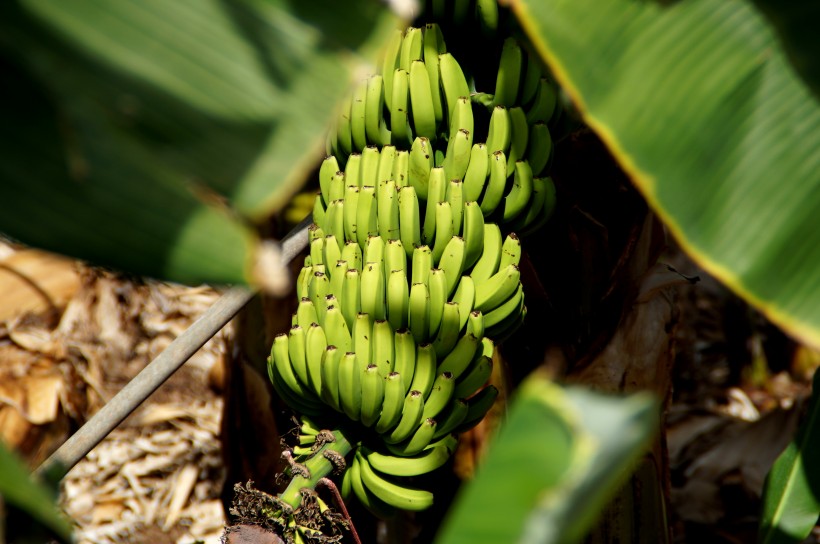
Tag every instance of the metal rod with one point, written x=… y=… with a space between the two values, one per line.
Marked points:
x=162 y=367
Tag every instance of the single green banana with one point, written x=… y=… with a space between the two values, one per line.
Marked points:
x=476 y=175
x=395 y=258
x=401 y=168
x=306 y=313
x=374 y=106
x=519 y=138
x=462 y=118
x=351 y=213
x=281 y=363
x=315 y=346
x=334 y=222
x=534 y=206
x=399 y=496
x=392 y=404
x=490 y=294
x=437 y=288
x=444 y=230
x=487 y=14
x=420 y=164
x=440 y=395
x=447 y=334
x=382 y=353
x=421 y=101
x=366 y=220
x=352 y=253
x=316 y=247
x=425 y=371
x=510 y=73
x=387 y=159
x=337 y=186
x=453 y=82
x=303 y=281
x=369 y=167
x=409 y=221
x=436 y=192
x=387 y=206
x=330 y=377
x=401 y=134
x=496 y=185
x=452 y=263
x=475 y=377
x=411 y=47
x=318 y=289
x=510 y=251
x=373 y=296
x=331 y=254
x=302 y=405
x=428 y=460
x=297 y=351
x=374 y=249
x=318 y=213
x=361 y=335
x=404 y=346
x=350 y=299
x=326 y=172
x=433 y=45
x=372 y=395
x=499 y=135
x=515 y=203
x=480 y=404
x=416 y=443
x=336 y=330
x=543 y=106
x=458 y=359
x=473 y=233
x=410 y=418
x=350 y=386
x=390 y=62
x=475 y=324
x=457 y=157
x=353 y=168
x=465 y=298
x=451 y=417
x=398 y=299
x=418 y=314
x=504 y=329
x=344 y=134
x=357 y=116
x=421 y=264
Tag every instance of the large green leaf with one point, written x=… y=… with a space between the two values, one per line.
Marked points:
x=17 y=488
x=147 y=135
x=791 y=497
x=699 y=104
x=560 y=455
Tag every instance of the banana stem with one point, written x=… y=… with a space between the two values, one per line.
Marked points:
x=318 y=466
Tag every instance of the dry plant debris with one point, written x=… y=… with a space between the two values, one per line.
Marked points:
x=70 y=338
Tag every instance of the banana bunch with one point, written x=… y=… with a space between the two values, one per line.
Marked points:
x=420 y=113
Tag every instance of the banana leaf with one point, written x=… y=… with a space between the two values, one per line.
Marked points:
x=791 y=496
x=699 y=104
x=552 y=466
x=150 y=136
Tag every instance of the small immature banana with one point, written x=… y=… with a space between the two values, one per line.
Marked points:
x=410 y=418
x=453 y=82
x=366 y=219
x=357 y=116
x=374 y=105
x=433 y=45
x=507 y=311
x=420 y=164
x=351 y=213
x=330 y=377
x=326 y=172
x=387 y=159
x=398 y=496
x=409 y=220
x=411 y=47
x=398 y=299
x=439 y=396
x=373 y=295
x=476 y=175
x=395 y=258
x=509 y=75
x=362 y=333
x=401 y=135
x=451 y=417
x=420 y=439
x=436 y=192
x=475 y=324
x=455 y=196
x=421 y=100
x=452 y=263
x=393 y=403
x=382 y=353
x=519 y=138
x=390 y=62
x=437 y=288
x=515 y=203
x=315 y=346
x=487 y=264
x=401 y=168
x=369 y=500
x=297 y=353
x=510 y=251
x=460 y=357
x=447 y=334
x=421 y=264
x=491 y=293
x=387 y=206
x=374 y=250
x=480 y=404
x=425 y=371
x=474 y=377
x=350 y=386
x=405 y=362
x=336 y=329
x=544 y=103
x=539 y=147
x=473 y=233
x=350 y=297
x=369 y=166
x=465 y=298
x=494 y=191
x=499 y=135
x=419 y=312
x=444 y=230
x=428 y=460
x=372 y=395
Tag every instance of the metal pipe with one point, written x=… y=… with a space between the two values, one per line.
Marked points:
x=162 y=367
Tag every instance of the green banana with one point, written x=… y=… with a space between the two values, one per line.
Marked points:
x=546 y=210
x=315 y=346
x=374 y=105
x=357 y=116
x=473 y=233
x=451 y=417
x=509 y=75
x=369 y=166
x=398 y=496
x=393 y=403
x=417 y=442
x=306 y=313
x=401 y=134
x=326 y=172
x=404 y=347
x=437 y=288
x=410 y=418
x=401 y=168
x=539 y=147
x=519 y=138
x=395 y=258
x=452 y=263
x=459 y=358
x=506 y=311
x=444 y=230
x=336 y=330
x=510 y=251
x=543 y=106
x=398 y=299
x=476 y=375
x=387 y=206
x=409 y=220
x=369 y=500
x=390 y=62
x=447 y=334
x=420 y=164
x=515 y=203
x=433 y=45
x=494 y=192
x=480 y=404
x=350 y=386
x=421 y=264
x=361 y=335
x=487 y=264
x=475 y=324
x=350 y=297
x=372 y=395
x=382 y=353
x=425 y=371
x=344 y=135
x=411 y=47
x=351 y=213
x=436 y=192
x=490 y=294
x=453 y=82
x=465 y=298
x=387 y=160
x=428 y=460
x=374 y=250
x=330 y=377
x=421 y=101
x=418 y=314
x=499 y=134
x=366 y=219
x=440 y=395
